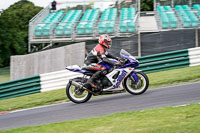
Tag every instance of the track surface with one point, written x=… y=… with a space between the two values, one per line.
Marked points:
x=169 y=96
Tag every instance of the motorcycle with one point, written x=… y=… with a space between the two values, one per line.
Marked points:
x=118 y=80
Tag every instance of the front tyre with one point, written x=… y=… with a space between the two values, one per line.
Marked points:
x=76 y=94
x=137 y=88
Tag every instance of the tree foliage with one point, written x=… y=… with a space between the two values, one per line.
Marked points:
x=14 y=29
x=146 y=5
x=80 y=7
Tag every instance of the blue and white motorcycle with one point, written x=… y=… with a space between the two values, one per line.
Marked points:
x=119 y=79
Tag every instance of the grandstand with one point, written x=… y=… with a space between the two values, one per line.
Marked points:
x=68 y=23
x=176 y=14
x=81 y=25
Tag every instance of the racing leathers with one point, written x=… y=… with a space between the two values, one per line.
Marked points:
x=97 y=54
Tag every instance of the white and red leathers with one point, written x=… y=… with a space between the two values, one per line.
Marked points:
x=97 y=54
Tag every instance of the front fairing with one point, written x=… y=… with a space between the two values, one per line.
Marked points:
x=133 y=62
x=107 y=66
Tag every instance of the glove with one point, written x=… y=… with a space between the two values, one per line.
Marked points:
x=118 y=64
x=120 y=59
x=117 y=58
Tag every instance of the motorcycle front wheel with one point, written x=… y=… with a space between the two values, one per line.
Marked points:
x=76 y=94
x=137 y=88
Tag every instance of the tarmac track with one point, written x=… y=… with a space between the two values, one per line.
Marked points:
x=155 y=98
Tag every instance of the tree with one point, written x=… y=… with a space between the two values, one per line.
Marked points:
x=146 y=5
x=14 y=29
x=80 y=7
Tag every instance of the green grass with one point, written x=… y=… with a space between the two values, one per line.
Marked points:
x=176 y=76
x=165 y=78
x=33 y=100
x=164 y=120
x=4 y=74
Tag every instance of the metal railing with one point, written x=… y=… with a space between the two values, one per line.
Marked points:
x=37 y=19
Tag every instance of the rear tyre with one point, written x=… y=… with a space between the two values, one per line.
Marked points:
x=76 y=94
x=137 y=88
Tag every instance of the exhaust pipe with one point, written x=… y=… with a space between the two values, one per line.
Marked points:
x=80 y=86
x=76 y=84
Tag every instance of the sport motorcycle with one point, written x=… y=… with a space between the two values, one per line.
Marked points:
x=118 y=80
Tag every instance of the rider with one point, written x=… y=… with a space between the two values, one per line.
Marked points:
x=97 y=54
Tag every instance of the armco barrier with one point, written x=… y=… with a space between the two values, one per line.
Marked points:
x=164 y=61
x=36 y=84
x=194 y=55
x=59 y=79
x=56 y=80
x=20 y=87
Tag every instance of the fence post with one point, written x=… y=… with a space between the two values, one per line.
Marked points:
x=139 y=35
x=29 y=47
x=139 y=44
x=196 y=38
x=190 y=3
x=172 y=3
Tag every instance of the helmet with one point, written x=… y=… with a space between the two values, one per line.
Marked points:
x=105 y=40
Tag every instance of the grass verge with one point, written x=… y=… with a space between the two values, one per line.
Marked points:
x=164 y=120
x=176 y=76
x=33 y=100
x=165 y=78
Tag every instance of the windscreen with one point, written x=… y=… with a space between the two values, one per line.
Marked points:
x=124 y=52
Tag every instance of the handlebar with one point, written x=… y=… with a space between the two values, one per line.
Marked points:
x=122 y=60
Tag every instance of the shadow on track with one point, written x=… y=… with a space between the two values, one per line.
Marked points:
x=113 y=97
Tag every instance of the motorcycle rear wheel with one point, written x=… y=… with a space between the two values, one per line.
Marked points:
x=76 y=94
x=137 y=88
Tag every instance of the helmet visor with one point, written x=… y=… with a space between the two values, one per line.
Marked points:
x=109 y=43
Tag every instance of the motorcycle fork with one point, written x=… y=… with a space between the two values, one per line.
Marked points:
x=134 y=77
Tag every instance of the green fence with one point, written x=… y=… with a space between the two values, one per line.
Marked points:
x=20 y=87
x=164 y=61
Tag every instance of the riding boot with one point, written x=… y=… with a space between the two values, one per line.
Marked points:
x=94 y=77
